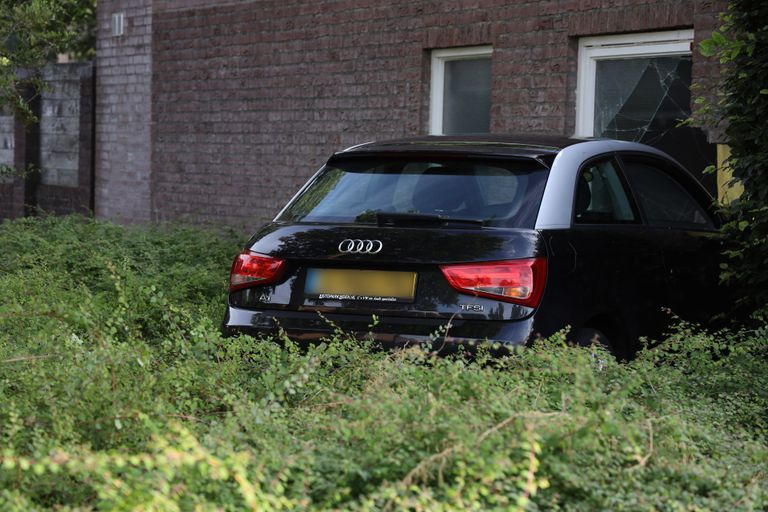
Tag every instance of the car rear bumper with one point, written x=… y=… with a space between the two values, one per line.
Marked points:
x=389 y=332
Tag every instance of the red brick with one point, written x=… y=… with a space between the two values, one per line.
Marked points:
x=249 y=98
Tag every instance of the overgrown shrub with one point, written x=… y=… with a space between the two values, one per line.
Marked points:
x=117 y=392
x=742 y=47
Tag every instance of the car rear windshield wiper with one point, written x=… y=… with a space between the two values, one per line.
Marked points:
x=423 y=219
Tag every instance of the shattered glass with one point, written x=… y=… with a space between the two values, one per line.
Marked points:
x=643 y=100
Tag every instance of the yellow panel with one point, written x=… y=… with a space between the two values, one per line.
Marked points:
x=361 y=284
x=726 y=191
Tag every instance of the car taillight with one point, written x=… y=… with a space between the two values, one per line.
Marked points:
x=252 y=269
x=519 y=281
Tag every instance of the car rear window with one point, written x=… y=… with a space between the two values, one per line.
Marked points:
x=504 y=193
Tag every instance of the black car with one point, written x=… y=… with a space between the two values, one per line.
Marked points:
x=505 y=238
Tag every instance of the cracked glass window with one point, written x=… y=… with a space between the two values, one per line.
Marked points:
x=641 y=99
x=644 y=100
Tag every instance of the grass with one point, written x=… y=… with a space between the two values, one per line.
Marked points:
x=118 y=393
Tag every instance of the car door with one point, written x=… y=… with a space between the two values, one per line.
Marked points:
x=617 y=269
x=680 y=214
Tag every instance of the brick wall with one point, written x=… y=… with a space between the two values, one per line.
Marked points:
x=123 y=112
x=249 y=98
x=706 y=72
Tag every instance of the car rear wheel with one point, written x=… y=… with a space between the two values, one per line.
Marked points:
x=587 y=337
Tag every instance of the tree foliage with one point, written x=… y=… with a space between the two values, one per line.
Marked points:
x=32 y=33
x=742 y=46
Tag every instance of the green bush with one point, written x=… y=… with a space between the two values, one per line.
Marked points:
x=117 y=392
x=742 y=47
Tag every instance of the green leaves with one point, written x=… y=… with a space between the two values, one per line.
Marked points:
x=740 y=45
x=118 y=393
x=32 y=33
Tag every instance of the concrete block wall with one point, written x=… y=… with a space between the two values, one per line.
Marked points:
x=54 y=155
x=17 y=150
x=60 y=126
x=66 y=140
x=7 y=144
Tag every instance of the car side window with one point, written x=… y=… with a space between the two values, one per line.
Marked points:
x=664 y=200
x=601 y=197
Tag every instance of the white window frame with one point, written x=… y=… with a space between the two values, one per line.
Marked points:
x=437 y=86
x=626 y=46
x=118 y=24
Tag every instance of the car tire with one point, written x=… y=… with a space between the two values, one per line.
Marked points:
x=587 y=336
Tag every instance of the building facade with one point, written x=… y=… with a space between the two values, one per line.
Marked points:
x=216 y=112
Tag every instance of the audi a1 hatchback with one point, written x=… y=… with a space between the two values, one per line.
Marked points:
x=505 y=238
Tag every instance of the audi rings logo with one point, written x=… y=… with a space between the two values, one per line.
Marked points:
x=357 y=246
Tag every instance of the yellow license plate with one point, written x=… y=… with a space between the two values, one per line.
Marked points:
x=370 y=285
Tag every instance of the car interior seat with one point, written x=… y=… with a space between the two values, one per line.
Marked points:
x=441 y=192
x=583 y=197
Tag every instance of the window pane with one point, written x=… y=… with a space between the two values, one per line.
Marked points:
x=664 y=200
x=504 y=193
x=639 y=99
x=643 y=100
x=467 y=96
x=600 y=196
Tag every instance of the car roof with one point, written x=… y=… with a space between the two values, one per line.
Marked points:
x=530 y=146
